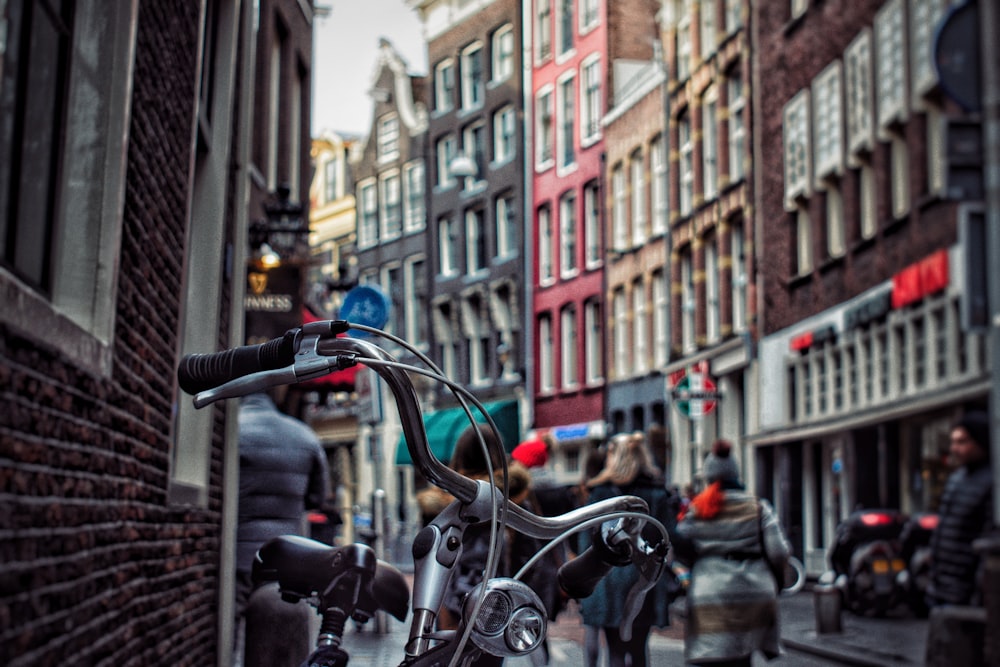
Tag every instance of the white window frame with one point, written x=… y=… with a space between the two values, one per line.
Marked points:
x=867 y=205
x=891 y=65
x=543 y=30
x=740 y=279
x=713 y=313
x=593 y=343
x=387 y=132
x=661 y=316
x=506 y=226
x=836 y=234
x=827 y=123
x=803 y=241
x=445 y=150
x=473 y=86
x=619 y=209
x=474 y=239
x=503 y=53
x=683 y=36
x=474 y=148
x=592 y=225
x=544 y=128
x=504 y=135
x=589 y=15
x=546 y=355
x=688 y=303
x=569 y=340
x=659 y=187
x=565 y=28
x=546 y=246
x=448 y=246
x=390 y=205
x=710 y=143
x=797 y=149
x=858 y=93
x=639 y=198
x=734 y=15
x=590 y=104
x=708 y=21
x=899 y=161
x=737 y=127
x=444 y=86
x=368 y=222
x=686 y=163
x=568 y=235
x=640 y=328
x=620 y=337
x=566 y=121
x=415 y=212
x=924 y=15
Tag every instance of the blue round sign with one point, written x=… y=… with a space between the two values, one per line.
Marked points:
x=367 y=305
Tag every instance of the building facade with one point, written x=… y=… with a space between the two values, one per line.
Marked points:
x=865 y=358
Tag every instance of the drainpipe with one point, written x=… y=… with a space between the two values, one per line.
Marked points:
x=527 y=261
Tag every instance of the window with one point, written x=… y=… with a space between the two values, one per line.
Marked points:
x=828 y=148
x=737 y=127
x=388 y=138
x=890 y=64
x=444 y=86
x=620 y=333
x=474 y=147
x=392 y=285
x=475 y=242
x=330 y=181
x=795 y=130
x=925 y=15
x=368 y=224
x=448 y=241
x=569 y=341
x=899 y=159
x=799 y=7
x=546 y=354
x=710 y=144
x=867 y=211
x=567 y=235
x=589 y=14
x=591 y=224
x=686 y=163
x=660 y=319
x=590 y=111
x=658 y=175
x=640 y=336
x=567 y=113
x=504 y=135
x=415 y=300
x=444 y=333
x=546 y=269
x=544 y=132
x=593 y=342
x=415 y=213
x=858 y=83
x=683 y=43
x=803 y=241
x=734 y=15
x=477 y=333
x=619 y=215
x=391 y=210
x=740 y=277
x=835 y=233
x=639 y=222
x=709 y=38
x=503 y=53
x=472 y=76
x=619 y=219
x=445 y=152
x=543 y=21
x=506 y=222
x=712 y=312
x=687 y=300
x=936 y=161
x=565 y=27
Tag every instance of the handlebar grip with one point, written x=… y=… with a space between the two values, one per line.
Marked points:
x=198 y=372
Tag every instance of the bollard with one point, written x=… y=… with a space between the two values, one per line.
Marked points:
x=826 y=602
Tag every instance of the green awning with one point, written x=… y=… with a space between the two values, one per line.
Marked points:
x=444 y=426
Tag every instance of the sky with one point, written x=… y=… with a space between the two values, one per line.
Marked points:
x=345 y=47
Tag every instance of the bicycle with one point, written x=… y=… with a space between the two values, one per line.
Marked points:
x=502 y=616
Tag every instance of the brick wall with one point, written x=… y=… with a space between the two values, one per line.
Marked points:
x=98 y=569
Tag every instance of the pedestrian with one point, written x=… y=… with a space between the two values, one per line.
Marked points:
x=733 y=544
x=593 y=465
x=283 y=473
x=965 y=514
x=629 y=470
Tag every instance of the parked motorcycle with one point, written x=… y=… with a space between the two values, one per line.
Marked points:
x=868 y=567
x=915 y=549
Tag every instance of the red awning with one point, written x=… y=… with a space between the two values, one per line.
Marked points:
x=336 y=381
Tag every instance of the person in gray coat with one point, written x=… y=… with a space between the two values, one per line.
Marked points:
x=733 y=543
x=283 y=473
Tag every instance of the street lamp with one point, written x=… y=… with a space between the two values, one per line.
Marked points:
x=281 y=234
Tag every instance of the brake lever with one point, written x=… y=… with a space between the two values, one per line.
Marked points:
x=650 y=561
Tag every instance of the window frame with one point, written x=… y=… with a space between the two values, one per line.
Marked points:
x=473 y=88
x=502 y=54
x=444 y=86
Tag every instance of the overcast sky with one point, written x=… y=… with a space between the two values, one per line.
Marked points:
x=345 y=46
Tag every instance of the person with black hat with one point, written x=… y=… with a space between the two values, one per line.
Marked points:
x=733 y=543
x=965 y=514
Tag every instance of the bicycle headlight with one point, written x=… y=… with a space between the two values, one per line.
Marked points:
x=511 y=621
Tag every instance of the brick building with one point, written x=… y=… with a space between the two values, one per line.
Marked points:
x=127 y=145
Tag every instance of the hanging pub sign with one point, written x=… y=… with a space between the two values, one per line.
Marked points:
x=272 y=303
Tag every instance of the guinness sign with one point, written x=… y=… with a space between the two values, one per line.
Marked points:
x=273 y=302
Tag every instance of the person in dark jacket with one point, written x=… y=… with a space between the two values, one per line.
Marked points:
x=965 y=514
x=629 y=470
x=283 y=473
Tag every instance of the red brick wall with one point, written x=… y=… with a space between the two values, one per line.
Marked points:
x=98 y=569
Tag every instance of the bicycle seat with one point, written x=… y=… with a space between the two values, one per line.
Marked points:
x=349 y=576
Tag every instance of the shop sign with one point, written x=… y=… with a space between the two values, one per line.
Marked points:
x=695 y=395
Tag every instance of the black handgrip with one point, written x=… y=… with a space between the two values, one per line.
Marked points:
x=579 y=577
x=198 y=372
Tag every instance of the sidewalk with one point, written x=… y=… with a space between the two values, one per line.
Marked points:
x=895 y=640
